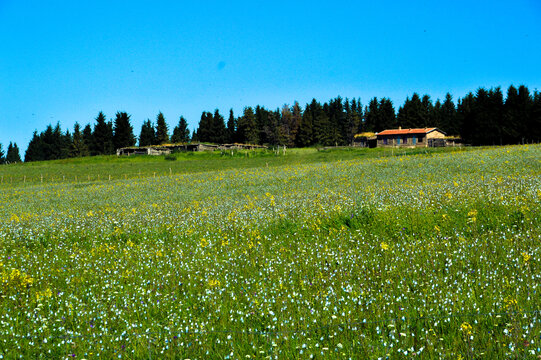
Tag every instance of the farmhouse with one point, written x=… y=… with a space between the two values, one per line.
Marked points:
x=427 y=137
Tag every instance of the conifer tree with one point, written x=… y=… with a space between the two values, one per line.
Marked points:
x=371 y=114
x=410 y=115
x=320 y=124
x=218 y=130
x=305 y=135
x=232 y=127
x=285 y=136
x=204 y=130
x=78 y=145
x=162 y=135
x=296 y=118
x=181 y=134
x=535 y=118
x=2 y=158
x=247 y=127
x=88 y=137
x=426 y=113
x=123 y=131
x=386 y=117
x=148 y=135
x=448 y=119
x=102 y=136
x=33 y=152
x=13 y=155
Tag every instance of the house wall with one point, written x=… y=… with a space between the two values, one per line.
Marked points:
x=435 y=135
x=405 y=140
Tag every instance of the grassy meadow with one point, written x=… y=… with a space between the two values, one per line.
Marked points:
x=346 y=254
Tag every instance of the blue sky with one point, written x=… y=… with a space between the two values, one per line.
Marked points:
x=64 y=61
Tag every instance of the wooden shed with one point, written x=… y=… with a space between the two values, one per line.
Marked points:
x=365 y=139
x=421 y=137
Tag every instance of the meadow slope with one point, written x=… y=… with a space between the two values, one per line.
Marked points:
x=337 y=254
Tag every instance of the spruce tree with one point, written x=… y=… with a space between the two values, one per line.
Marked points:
x=305 y=134
x=78 y=147
x=123 y=131
x=148 y=135
x=231 y=127
x=33 y=151
x=296 y=118
x=162 y=130
x=371 y=116
x=218 y=130
x=66 y=140
x=285 y=136
x=466 y=118
x=448 y=118
x=181 y=134
x=102 y=136
x=320 y=124
x=88 y=138
x=535 y=118
x=386 y=115
x=411 y=114
x=2 y=158
x=247 y=127
x=13 y=155
x=204 y=129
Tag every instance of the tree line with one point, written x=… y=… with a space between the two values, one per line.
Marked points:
x=485 y=117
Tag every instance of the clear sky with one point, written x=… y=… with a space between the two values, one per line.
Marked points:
x=64 y=61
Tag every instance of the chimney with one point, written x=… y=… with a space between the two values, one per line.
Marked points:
x=400 y=128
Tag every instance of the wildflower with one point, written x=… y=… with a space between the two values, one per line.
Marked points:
x=526 y=257
x=466 y=328
x=472 y=215
x=384 y=246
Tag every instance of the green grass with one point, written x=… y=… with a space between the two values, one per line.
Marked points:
x=341 y=253
x=100 y=168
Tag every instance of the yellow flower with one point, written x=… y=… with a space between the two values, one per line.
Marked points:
x=384 y=246
x=472 y=216
x=203 y=243
x=466 y=328
x=526 y=257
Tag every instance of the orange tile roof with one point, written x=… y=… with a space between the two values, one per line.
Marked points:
x=406 y=131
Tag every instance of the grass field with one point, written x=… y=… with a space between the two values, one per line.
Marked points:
x=312 y=254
